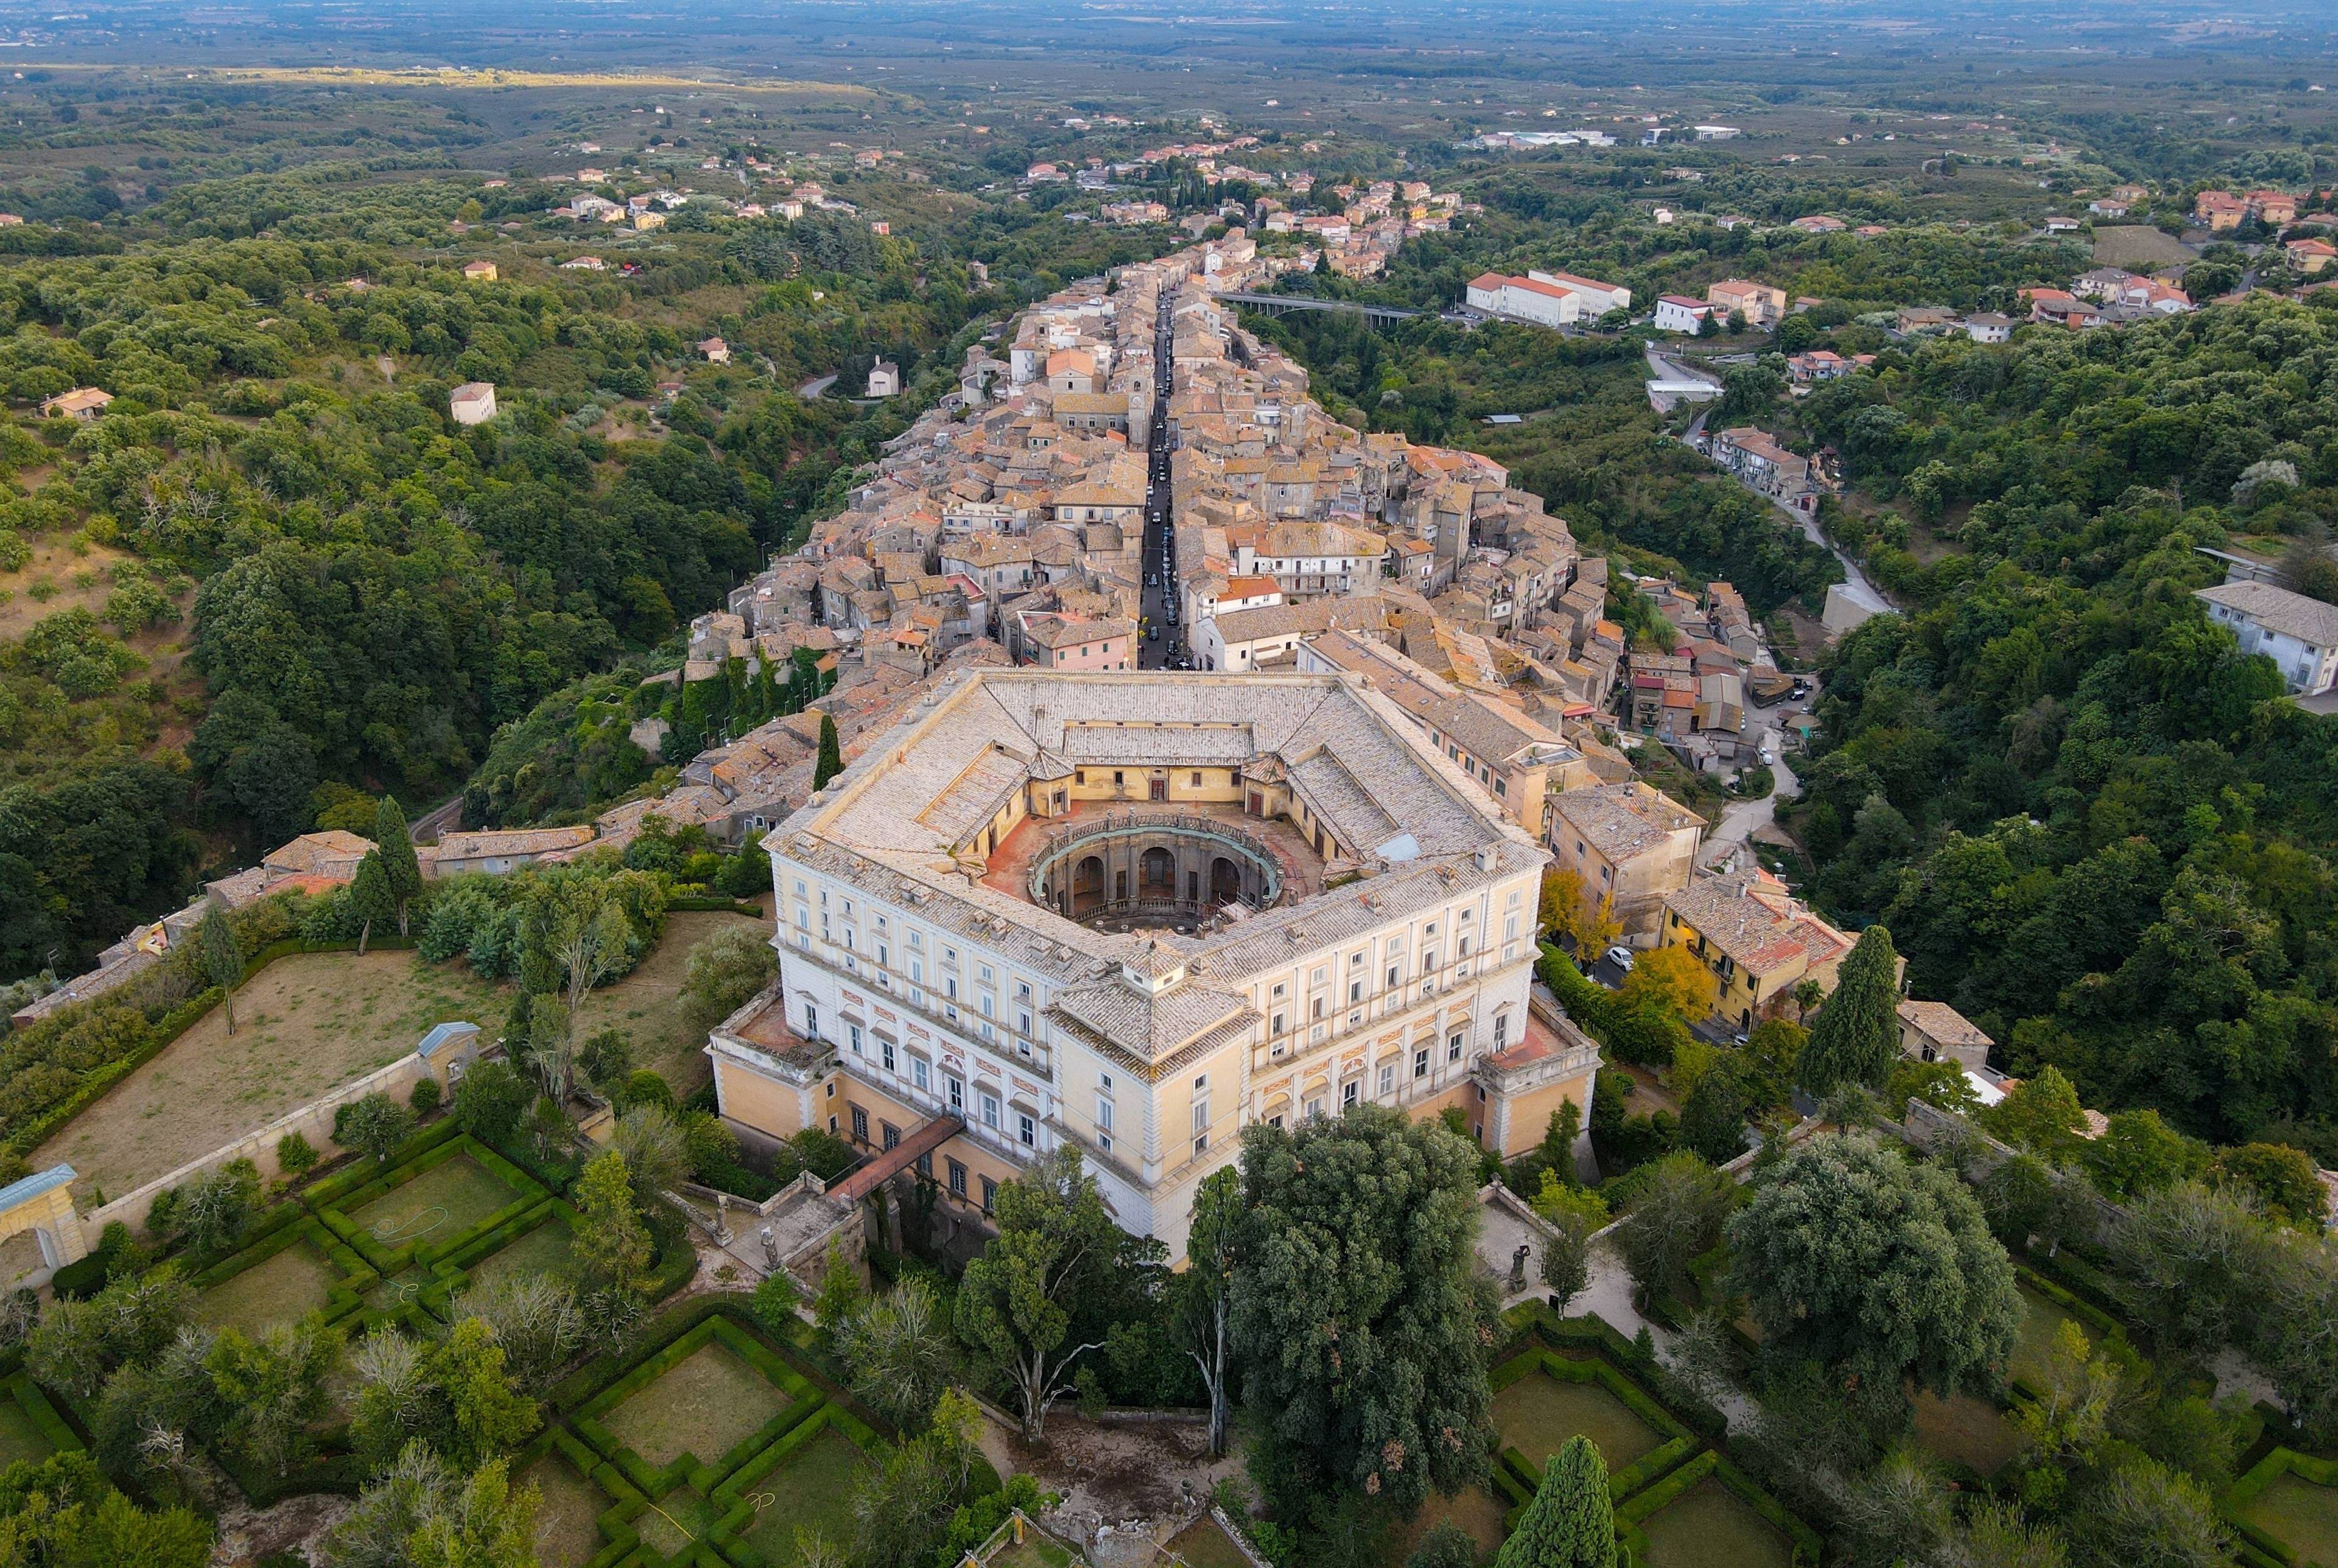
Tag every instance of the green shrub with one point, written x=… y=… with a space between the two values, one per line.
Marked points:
x=424 y=1097
x=644 y=1087
x=295 y=1155
x=374 y=1126
x=490 y=1101
x=775 y=1301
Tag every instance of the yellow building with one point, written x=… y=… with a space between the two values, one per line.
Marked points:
x=1631 y=845
x=1130 y=913
x=1759 y=940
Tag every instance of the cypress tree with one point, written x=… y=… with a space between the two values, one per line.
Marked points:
x=394 y=844
x=370 y=899
x=221 y=957
x=831 y=753
x=1857 y=1036
x=1570 y=1524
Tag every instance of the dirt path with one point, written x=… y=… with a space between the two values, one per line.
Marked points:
x=1112 y=1471
x=304 y=1027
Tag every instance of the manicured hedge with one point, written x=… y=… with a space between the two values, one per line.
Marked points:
x=584 y=1382
x=615 y=1522
x=328 y=1190
x=734 y=1495
x=550 y=1177
x=1638 y=1509
x=715 y=905
x=2256 y=1545
x=688 y=1468
x=389 y=1260
x=84 y=1276
x=2100 y=1326
x=45 y=1417
x=1533 y=1322
x=1679 y=1441
x=2079 y=1277
x=342 y=1299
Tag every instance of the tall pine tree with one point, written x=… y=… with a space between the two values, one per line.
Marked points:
x=831 y=753
x=1857 y=1036
x=1570 y=1524
x=396 y=845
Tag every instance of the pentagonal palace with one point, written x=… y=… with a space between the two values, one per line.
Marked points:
x=1132 y=912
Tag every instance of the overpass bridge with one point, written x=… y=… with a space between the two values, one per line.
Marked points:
x=1283 y=304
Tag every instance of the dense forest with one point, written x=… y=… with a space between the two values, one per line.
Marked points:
x=276 y=567
x=2088 y=821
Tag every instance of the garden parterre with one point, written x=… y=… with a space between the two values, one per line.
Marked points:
x=1678 y=1500
x=738 y=1508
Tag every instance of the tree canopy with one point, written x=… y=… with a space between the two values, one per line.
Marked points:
x=1878 y=1267
x=1360 y=1327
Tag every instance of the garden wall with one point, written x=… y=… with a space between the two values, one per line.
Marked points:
x=314 y=1122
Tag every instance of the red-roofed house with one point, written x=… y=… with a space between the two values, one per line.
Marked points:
x=1681 y=313
x=2311 y=256
x=1759 y=940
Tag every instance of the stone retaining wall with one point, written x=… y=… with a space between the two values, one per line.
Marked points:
x=314 y=1122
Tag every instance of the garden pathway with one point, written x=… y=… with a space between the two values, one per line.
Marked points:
x=1607 y=1295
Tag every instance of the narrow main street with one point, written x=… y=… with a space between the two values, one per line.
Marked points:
x=1161 y=645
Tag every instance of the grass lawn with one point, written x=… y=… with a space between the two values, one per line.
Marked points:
x=1038 y=1551
x=543 y=1251
x=1537 y=1414
x=812 y=1489
x=1709 y=1525
x=566 y=1535
x=2296 y=1511
x=305 y=1026
x=674 y=1520
x=1965 y=1430
x=442 y=1201
x=19 y=1438
x=1475 y=1509
x=2040 y=1328
x=647 y=1004
x=1202 y=1544
x=703 y=1406
x=280 y=1289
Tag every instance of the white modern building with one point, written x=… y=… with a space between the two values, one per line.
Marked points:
x=472 y=403
x=1548 y=299
x=1682 y=313
x=1132 y=913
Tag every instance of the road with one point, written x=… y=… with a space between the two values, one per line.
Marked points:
x=1855 y=585
x=1162 y=645
x=1662 y=368
x=1741 y=820
x=817 y=386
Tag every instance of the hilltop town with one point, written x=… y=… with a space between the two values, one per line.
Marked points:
x=1289 y=788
